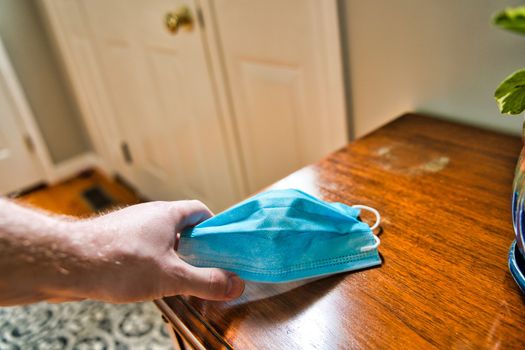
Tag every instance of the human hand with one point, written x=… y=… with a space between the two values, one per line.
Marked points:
x=128 y=255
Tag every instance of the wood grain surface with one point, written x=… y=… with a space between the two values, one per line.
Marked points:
x=444 y=191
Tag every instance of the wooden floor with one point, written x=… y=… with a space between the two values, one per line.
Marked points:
x=68 y=197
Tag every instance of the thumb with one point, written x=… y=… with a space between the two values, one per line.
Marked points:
x=189 y=213
x=210 y=283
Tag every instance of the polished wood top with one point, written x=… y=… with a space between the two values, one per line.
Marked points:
x=444 y=191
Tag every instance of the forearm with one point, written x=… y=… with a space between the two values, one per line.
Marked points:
x=38 y=254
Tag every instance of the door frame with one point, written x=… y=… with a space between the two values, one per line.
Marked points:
x=26 y=117
x=49 y=171
x=86 y=85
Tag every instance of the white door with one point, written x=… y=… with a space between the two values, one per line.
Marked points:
x=161 y=96
x=19 y=165
x=283 y=65
x=214 y=113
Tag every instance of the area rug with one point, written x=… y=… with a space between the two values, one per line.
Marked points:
x=82 y=326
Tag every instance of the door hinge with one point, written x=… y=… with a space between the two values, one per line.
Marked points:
x=126 y=153
x=200 y=17
x=30 y=145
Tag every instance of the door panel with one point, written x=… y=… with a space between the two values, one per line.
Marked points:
x=19 y=168
x=176 y=104
x=271 y=105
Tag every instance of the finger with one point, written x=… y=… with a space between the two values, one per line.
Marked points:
x=190 y=213
x=210 y=283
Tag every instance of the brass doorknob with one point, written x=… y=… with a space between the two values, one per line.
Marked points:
x=177 y=19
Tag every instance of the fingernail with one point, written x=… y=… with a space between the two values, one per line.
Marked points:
x=235 y=287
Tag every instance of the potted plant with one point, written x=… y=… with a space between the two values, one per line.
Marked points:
x=510 y=96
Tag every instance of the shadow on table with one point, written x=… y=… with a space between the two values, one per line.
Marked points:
x=267 y=304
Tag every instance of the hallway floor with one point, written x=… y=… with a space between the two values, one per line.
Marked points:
x=68 y=197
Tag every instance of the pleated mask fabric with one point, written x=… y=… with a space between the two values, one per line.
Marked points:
x=282 y=236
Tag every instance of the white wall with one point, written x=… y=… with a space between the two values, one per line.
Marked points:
x=39 y=72
x=437 y=56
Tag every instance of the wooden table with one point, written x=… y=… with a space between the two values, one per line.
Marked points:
x=444 y=191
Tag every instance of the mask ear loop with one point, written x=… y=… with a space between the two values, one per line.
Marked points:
x=373 y=227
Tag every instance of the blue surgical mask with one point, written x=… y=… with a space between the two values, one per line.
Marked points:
x=282 y=236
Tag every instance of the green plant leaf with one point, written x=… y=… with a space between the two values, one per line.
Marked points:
x=512 y=19
x=510 y=94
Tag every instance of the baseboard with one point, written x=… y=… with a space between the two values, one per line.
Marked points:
x=75 y=165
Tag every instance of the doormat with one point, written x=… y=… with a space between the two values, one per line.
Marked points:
x=83 y=325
